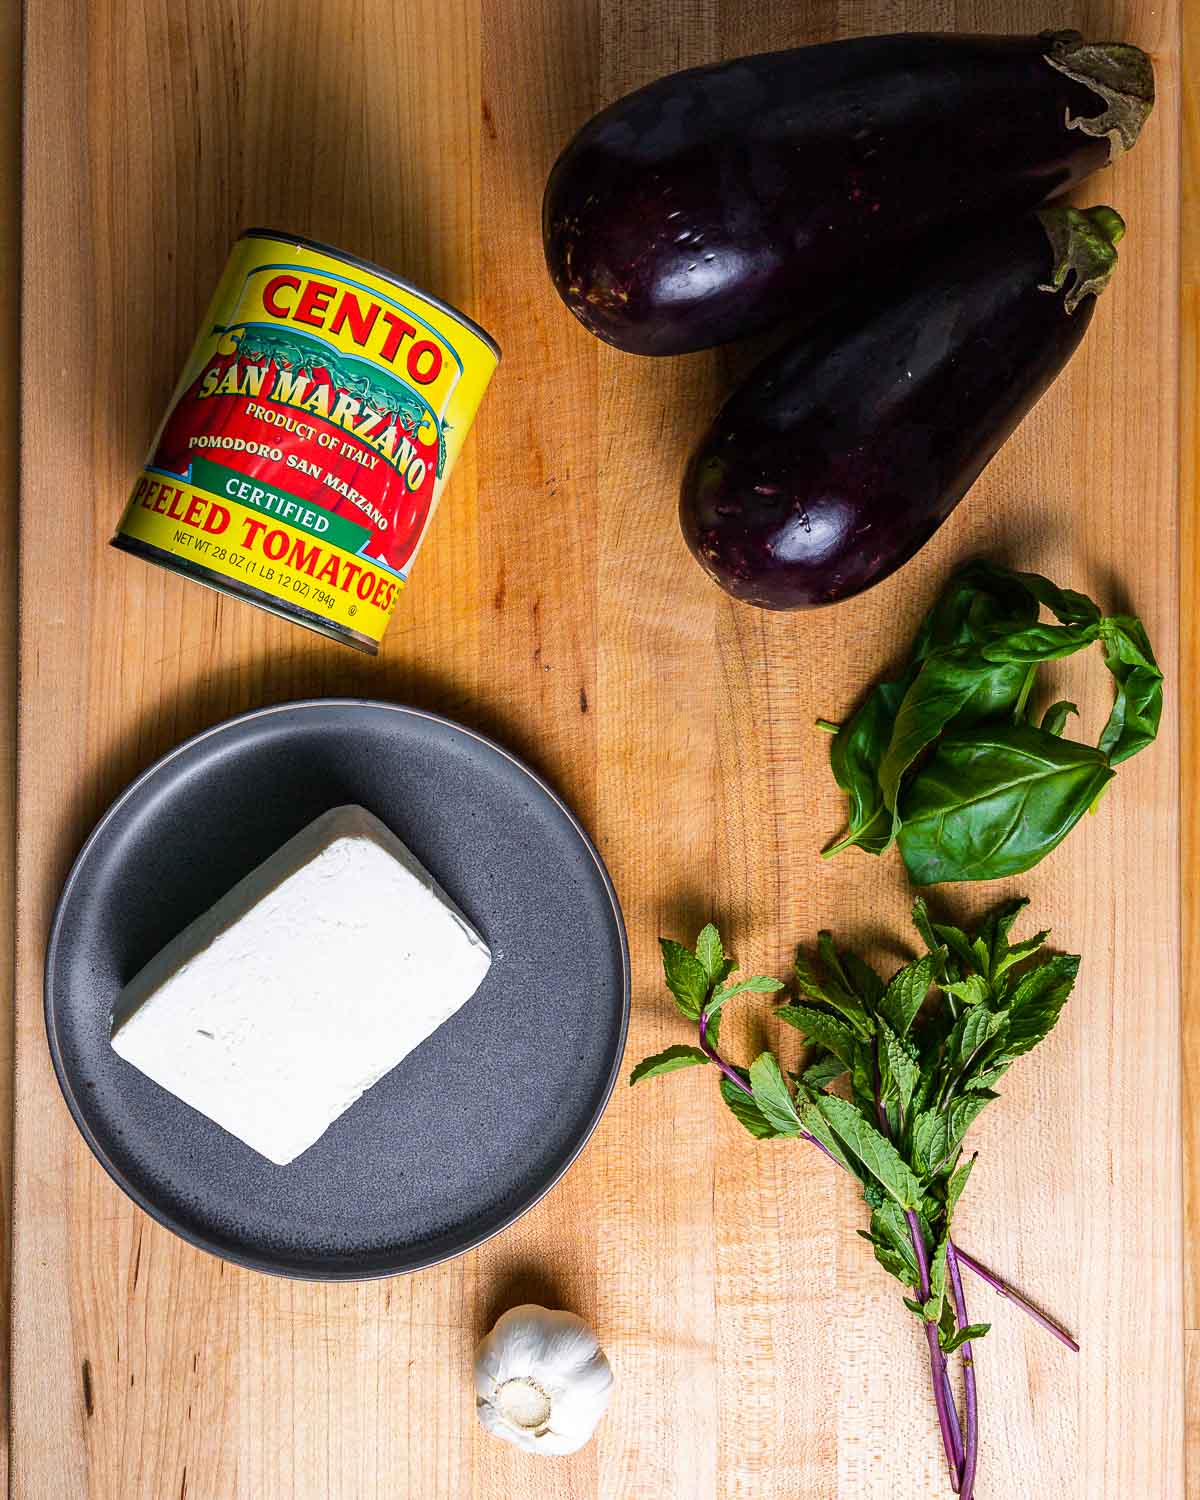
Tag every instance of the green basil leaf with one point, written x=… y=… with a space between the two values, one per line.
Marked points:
x=854 y=757
x=667 y=1062
x=711 y=953
x=1064 y=604
x=874 y=1151
x=686 y=978
x=1054 y=720
x=980 y=601
x=906 y=993
x=1041 y=643
x=745 y=1110
x=955 y=686
x=772 y=1095
x=995 y=802
x=1137 y=709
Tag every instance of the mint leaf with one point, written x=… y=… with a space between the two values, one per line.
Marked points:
x=667 y=1062
x=954 y=1188
x=772 y=1095
x=961 y=1336
x=898 y=1067
x=831 y=959
x=956 y=940
x=892 y=1263
x=924 y=924
x=821 y=1074
x=758 y=984
x=977 y=1026
x=820 y=1027
x=867 y=984
x=1018 y=953
x=833 y=995
x=906 y=993
x=686 y=978
x=1037 y=1002
x=889 y=1227
x=874 y=1151
x=815 y=1123
x=937 y=1134
x=937 y=1283
x=994 y=929
x=973 y=990
x=744 y=1109
x=711 y=953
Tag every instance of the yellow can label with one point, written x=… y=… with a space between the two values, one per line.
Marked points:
x=312 y=433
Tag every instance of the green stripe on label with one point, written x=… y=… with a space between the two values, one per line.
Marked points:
x=304 y=515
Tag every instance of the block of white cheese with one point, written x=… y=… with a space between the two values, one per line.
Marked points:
x=312 y=978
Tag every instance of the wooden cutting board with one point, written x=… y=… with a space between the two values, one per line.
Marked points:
x=759 y=1351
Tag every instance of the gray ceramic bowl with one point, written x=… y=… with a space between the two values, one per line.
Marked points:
x=475 y=1125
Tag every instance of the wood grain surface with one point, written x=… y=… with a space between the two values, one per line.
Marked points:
x=1189 y=450
x=759 y=1351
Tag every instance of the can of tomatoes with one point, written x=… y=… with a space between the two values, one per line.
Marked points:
x=310 y=436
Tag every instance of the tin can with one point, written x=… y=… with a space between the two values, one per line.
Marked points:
x=310 y=436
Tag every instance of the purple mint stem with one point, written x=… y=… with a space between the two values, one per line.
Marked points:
x=998 y=1285
x=971 y=1447
x=937 y=1360
x=710 y=1051
x=739 y=1082
x=952 y=1410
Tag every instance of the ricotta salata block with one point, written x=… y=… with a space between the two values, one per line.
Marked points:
x=312 y=978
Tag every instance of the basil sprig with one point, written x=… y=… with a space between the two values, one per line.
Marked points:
x=947 y=761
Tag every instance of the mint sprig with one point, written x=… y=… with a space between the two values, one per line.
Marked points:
x=896 y=1075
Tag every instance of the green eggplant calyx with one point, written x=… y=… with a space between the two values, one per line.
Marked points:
x=1084 y=244
x=1123 y=76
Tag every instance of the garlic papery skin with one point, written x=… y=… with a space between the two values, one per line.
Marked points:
x=541 y=1380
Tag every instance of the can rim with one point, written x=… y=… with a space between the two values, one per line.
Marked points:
x=257 y=231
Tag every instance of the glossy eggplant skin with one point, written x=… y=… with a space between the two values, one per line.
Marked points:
x=716 y=201
x=840 y=456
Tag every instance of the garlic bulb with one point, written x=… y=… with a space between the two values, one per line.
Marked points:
x=541 y=1380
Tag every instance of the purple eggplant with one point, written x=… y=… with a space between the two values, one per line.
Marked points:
x=841 y=455
x=717 y=201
